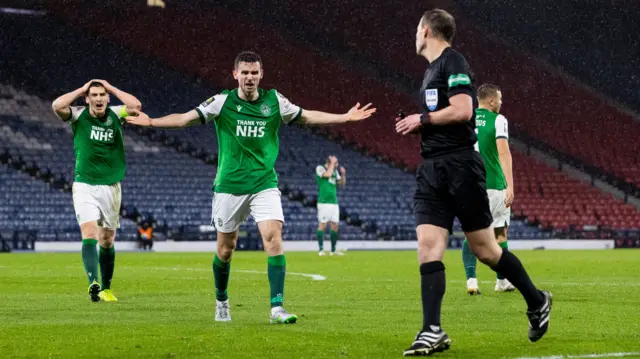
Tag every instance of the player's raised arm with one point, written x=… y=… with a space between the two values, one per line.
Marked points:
x=342 y=177
x=327 y=172
x=356 y=113
x=130 y=101
x=175 y=120
x=62 y=105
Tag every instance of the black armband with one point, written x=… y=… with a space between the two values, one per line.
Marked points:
x=424 y=119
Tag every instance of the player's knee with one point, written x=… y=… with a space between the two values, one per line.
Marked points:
x=322 y=226
x=107 y=238
x=226 y=250
x=89 y=230
x=335 y=226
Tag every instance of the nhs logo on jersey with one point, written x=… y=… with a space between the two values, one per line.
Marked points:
x=431 y=98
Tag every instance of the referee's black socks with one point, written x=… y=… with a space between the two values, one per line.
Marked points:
x=511 y=268
x=432 y=286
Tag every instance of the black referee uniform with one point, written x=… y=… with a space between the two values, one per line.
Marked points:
x=451 y=179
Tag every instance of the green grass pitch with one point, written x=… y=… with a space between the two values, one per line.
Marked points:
x=368 y=307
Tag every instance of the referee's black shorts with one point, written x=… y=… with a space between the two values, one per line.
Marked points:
x=449 y=186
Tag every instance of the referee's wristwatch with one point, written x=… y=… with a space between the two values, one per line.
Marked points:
x=424 y=119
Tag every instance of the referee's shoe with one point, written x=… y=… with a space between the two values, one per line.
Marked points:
x=429 y=342
x=539 y=318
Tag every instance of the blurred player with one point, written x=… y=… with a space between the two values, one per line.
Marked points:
x=493 y=145
x=247 y=120
x=451 y=183
x=328 y=178
x=100 y=166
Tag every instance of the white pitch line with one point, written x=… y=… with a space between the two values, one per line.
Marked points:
x=585 y=356
x=308 y=275
x=569 y=284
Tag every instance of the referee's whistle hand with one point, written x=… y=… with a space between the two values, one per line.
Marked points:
x=408 y=125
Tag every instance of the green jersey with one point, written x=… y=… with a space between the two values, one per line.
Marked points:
x=327 y=191
x=491 y=126
x=248 y=141
x=98 y=145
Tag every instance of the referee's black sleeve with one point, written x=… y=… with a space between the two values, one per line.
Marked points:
x=459 y=75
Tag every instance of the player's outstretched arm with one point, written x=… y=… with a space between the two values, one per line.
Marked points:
x=61 y=105
x=176 y=120
x=130 y=101
x=319 y=118
x=343 y=177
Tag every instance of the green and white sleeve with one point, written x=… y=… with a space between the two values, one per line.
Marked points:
x=502 y=127
x=288 y=111
x=211 y=108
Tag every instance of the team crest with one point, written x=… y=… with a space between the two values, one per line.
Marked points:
x=265 y=109
x=431 y=98
x=108 y=122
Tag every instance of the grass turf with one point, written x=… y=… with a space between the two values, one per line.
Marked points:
x=368 y=307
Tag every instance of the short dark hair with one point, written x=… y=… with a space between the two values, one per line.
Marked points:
x=441 y=23
x=247 y=56
x=94 y=84
x=487 y=90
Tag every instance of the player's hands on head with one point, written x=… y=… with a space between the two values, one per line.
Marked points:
x=104 y=83
x=357 y=113
x=508 y=201
x=342 y=171
x=333 y=160
x=140 y=119
x=408 y=125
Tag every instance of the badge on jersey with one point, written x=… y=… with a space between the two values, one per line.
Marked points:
x=265 y=109
x=431 y=98
x=108 y=122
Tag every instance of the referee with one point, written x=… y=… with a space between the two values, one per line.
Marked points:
x=451 y=183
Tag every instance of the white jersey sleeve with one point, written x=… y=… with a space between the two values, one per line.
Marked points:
x=210 y=109
x=320 y=171
x=502 y=127
x=288 y=111
x=338 y=177
x=76 y=111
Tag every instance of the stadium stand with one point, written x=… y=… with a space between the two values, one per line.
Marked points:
x=606 y=147
x=296 y=162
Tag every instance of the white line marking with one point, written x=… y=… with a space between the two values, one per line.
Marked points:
x=309 y=275
x=312 y=276
x=568 y=284
x=585 y=356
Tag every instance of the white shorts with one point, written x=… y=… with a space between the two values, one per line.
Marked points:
x=97 y=203
x=501 y=214
x=230 y=210
x=328 y=212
